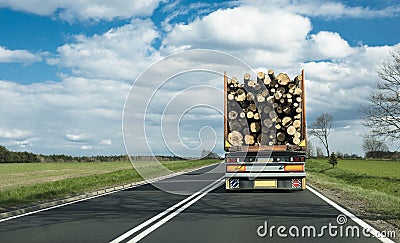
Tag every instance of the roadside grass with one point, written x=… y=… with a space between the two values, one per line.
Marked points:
x=41 y=183
x=374 y=184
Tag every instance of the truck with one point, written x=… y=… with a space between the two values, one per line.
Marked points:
x=265 y=138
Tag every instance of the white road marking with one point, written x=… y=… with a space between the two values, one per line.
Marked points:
x=175 y=209
x=104 y=194
x=359 y=221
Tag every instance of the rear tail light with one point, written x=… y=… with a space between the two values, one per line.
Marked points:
x=297 y=159
x=294 y=168
x=231 y=160
x=235 y=168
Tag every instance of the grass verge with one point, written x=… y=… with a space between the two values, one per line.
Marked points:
x=21 y=196
x=370 y=186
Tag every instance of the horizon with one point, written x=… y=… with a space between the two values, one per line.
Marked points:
x=68 y=67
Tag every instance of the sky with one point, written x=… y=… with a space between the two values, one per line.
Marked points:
x=67 y=69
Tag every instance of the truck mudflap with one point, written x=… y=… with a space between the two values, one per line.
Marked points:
x=265 y=183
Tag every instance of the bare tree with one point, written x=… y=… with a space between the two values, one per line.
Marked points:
x=373 y=144
x=310 y=149
x=321 y=129
x=382 y=115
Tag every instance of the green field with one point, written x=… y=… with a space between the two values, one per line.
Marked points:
x=373 y=184
x=23 y=184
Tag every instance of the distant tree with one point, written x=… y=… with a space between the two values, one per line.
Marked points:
x=333 y=160
x=372 y=146
x=321 y=129
x=382 y=115
x=339 y=154
x=310 y=149
x=320 y=153
x=207 y=154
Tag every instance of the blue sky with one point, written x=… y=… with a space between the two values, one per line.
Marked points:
x=66 y=65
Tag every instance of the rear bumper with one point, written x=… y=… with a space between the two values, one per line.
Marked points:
x=284 y=183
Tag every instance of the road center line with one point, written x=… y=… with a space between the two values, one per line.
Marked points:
x=175 y=209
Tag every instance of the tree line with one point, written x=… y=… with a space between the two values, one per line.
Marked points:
x=7 y=156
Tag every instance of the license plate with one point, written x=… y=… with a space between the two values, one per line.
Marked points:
x=265 y=160
x=265 y=183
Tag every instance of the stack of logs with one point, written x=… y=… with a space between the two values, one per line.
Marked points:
x=264 y=111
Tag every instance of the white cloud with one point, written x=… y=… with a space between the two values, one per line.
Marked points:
x=327 y=9
x=106 y=142
x=23 y=56
x=14 y=134
x=58 y=117
x=243 y=28
x=328 y=45
x=71 y=10
x=76 y=137
x=120 y=53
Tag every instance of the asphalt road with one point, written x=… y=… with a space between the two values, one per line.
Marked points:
x=212 y=215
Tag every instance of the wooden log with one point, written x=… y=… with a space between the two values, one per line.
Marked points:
x=234 y=80
x=298 y=110
x=249 y=114
x=252 y=107
x=283 y=79
x=256 y=116
x=268 y=123
x=235 y=126
x=271 y=75
x=277 y=95
x=260 y=98
x=231 y=96
x=298 y=91
x=291 y=130
x=270 y=99
x=250 y=96
x=246 y=77
x=296 y=140
x=267 y=81
x=280 y=136
x=298 y=99
x=297 y=135
x=261 y=75
x=244 y=104
x=279 y=109
x=243 y=121
x=257 y=86
x=267 y=108
x=242 y=114
x=286 y=121
x=235 y=138
x=297 y=80
x=232 y=115
x=240 y=95
x=287 y=110
x=254 y=127
x=296 y=123
x=264 y=93
x=249 y=139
